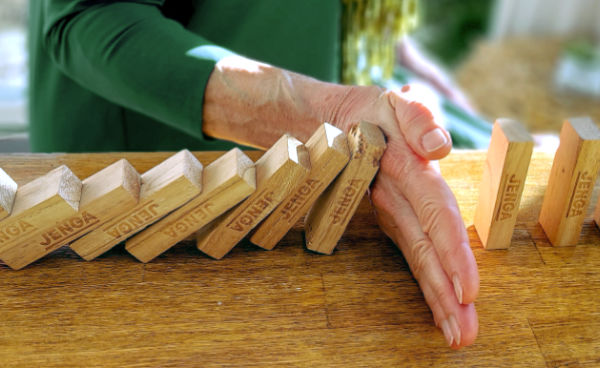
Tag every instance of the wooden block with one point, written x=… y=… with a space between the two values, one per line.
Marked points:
x=277 y=173
x=328 y=150
x=8 y=191
x=226 y=182
x=502 y=184
x=45 y=201
x=327 y=219
x=164 y=188
x=104 y=195
x=571 y=181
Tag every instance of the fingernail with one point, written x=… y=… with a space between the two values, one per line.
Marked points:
x=455 y=329
x=447 y=332
x=457 y=288
x=434 y=140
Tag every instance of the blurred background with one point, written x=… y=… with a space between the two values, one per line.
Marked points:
x=537 y=61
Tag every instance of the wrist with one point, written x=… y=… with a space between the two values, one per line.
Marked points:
x=343 y=106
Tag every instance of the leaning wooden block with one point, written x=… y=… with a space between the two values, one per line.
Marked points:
x=327 y=219
x=164 y=188
x=571 y=182
x=8 y=191
x=328 y=150
x=104 y=195
x=502 y=184
x=45 y=201
x=277 y=173
x=226 y=182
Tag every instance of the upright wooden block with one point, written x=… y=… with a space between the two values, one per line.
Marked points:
x=277 y=173
x=327 y=219
x=571 y=181
x=328 y=150
x=226 y=182
x=104 y=195
x=502 y=184
x=46 y=201
x=8 y=191
x=164 y=188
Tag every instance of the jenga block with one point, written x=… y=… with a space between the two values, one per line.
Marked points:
x=8 y=191
x=277 y=173
x=502 y=184
x=164 y=188
x=571 y=181
x=104 y=195
x=328 y=150
x=46 y=201
x=331 y=213
x=226 y=182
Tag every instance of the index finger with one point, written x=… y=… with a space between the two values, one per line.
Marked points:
x=439 y=217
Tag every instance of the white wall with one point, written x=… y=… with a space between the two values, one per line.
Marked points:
x=546 y=18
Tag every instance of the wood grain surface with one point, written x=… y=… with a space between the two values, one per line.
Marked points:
x=539 y=305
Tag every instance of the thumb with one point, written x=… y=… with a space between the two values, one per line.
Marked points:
x=418 y=114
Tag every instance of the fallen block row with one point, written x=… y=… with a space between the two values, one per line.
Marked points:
x=221 y=203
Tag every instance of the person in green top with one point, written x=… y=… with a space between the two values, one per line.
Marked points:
x=168 y=74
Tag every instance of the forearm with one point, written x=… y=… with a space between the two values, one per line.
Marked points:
x=131 y=55
x=254 y=103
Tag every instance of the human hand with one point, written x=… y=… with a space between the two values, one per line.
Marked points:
x=414 y=205
x=254 y=103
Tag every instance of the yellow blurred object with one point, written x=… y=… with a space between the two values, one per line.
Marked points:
x=371 y=29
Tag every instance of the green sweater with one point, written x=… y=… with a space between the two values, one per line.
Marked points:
x=130 y=75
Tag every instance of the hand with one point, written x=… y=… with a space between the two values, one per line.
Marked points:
x=254 y=103
x=416 y=208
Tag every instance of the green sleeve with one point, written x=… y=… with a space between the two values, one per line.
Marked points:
x=129 y=53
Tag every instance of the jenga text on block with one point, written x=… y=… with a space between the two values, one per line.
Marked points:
x=278 y=171
x=164 y=188
x=327 y=219
x=328 y=150
x=104 y=195
x=225 y=182
x=46 y=201
x=502 y=184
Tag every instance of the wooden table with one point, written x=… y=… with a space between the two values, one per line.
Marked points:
x=539 y=305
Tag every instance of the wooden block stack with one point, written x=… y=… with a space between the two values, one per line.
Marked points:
x=164 y=188
x=328 y=218
x=277 y=173
x=41 y=208
x=226 y=182
x=177 y=198
x=232 y=196
x=328 y=151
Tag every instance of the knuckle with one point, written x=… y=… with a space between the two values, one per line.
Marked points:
x=420 y=253
x=379 y=197
x=433 y=213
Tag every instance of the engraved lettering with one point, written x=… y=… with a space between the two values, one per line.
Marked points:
x=299 y=198
x=67 y=229
x=13 y=231
x=193 y=220
x=134 y=221
x=252 y=213
x=581 y=194
x=350 y=194
x=510 y=196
